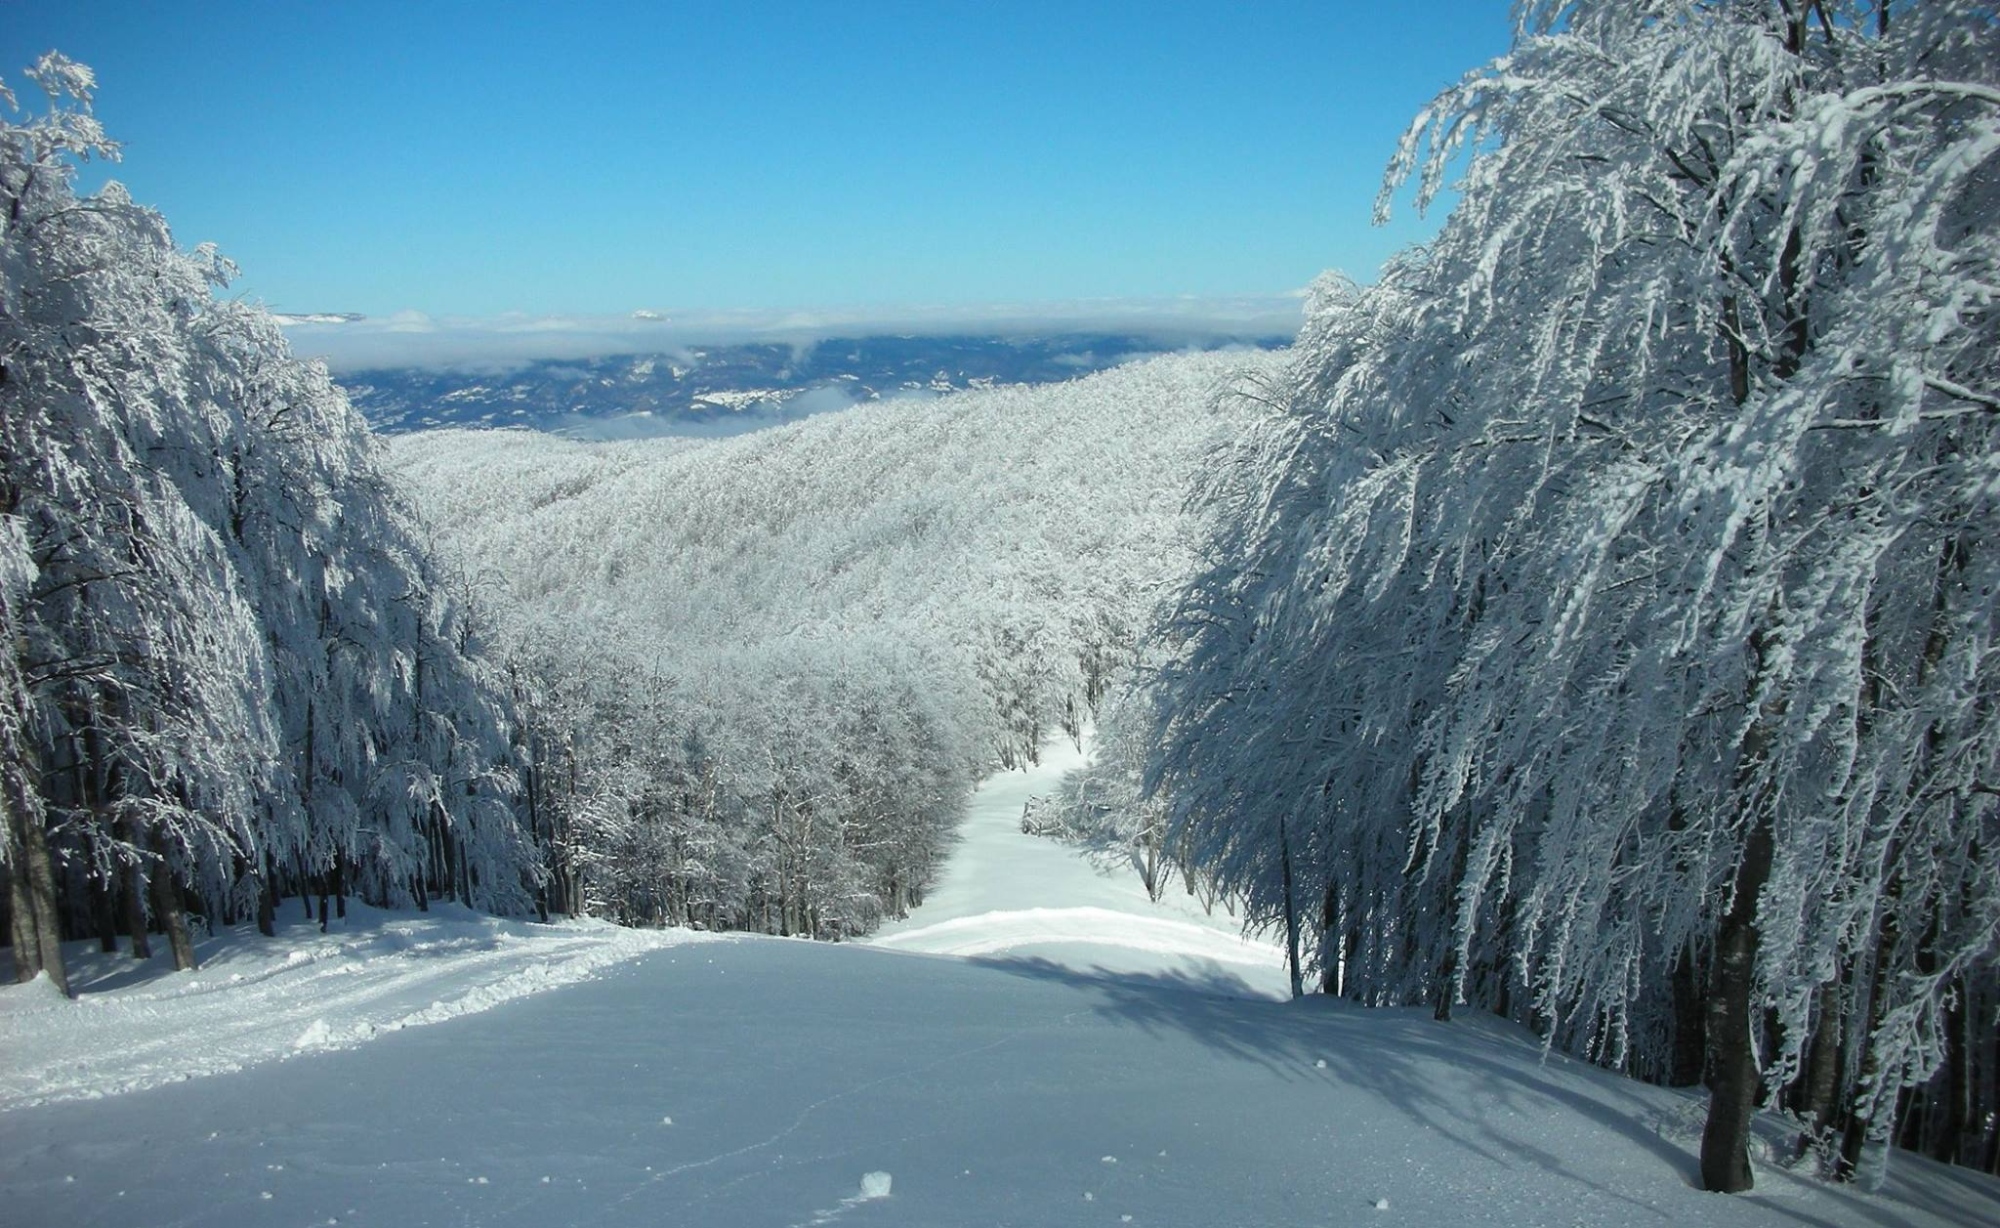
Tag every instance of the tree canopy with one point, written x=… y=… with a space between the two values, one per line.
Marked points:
x=1604 y=635
x=229 y=670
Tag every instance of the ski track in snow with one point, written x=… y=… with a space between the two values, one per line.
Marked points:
x=1006 y=896
x=255 y=999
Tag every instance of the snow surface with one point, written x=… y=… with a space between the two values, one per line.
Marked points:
x=1009 y=896
x=254 y=1000
x=1081 y=1070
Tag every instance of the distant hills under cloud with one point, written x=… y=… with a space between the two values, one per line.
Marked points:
x=729 y=389
x=350 y=343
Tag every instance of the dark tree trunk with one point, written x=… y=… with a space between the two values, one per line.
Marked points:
x=1291 y=913
x=267 y=901
x=37 y=900
x=1821 y=1086
x=104 y=913
x=1446 y=996
x=134 y=909
x=1733 y=1077
x=34 y=920
x=1954 y=1085
x=21 y=927
x=173 y=917
x=1331 y=945
x=1441 y=1000
x=1690 y=1036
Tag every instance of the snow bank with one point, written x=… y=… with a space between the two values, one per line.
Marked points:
x=255 y=999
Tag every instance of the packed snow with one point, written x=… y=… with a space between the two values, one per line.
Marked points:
x=1101 y=1060
x=1007 y=895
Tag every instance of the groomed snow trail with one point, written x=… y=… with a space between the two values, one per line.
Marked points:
x=1097 y=1061
x=1009 y=896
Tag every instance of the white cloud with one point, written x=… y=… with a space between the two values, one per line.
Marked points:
x=414 y=339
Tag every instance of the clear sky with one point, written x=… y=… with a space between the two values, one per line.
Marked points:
x=603 y=157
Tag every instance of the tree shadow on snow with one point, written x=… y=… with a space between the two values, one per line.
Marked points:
x=1472 y=1080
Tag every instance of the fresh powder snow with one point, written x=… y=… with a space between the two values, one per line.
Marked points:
x=1097 y=1060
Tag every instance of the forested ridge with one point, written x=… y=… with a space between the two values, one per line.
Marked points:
x=761 y=675
x=1604 y=635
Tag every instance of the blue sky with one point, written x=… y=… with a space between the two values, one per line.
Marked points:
x=476 y=159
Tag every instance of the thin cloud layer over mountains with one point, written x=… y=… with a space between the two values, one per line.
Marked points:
x=414 y=339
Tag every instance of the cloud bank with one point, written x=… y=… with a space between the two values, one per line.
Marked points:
x=498 y=343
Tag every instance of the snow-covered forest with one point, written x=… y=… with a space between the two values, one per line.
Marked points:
x=1605 y=634
x=230 y=673
x=1590 y=623
x=760 y=675
x=741 y=685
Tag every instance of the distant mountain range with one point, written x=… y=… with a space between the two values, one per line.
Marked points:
x=729 y=389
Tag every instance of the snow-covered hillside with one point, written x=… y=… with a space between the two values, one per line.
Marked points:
x=758 y=676
x=1120 y=1080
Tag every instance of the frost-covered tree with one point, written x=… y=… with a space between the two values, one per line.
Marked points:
x=231 y=672
x=1605 y=636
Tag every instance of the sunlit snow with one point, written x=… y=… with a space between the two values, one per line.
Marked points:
x=1013 y=896
x=1082 y=1070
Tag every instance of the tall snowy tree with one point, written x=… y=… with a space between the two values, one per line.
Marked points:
x=231 y=672
x=1605 y=638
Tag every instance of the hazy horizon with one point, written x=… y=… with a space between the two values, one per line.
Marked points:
x=415 y=339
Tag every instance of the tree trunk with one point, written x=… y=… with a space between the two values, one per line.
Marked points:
x=267 y=901
x=21 y=927
x=1954 y=1086
x=1331 y=944
x=134 y=909
x=1291 y=913
x=35 y=873
x=1442 y=999
x=35 y=922
x=1818 y=1096
x=104 y=914
x=1733 y=1076
x=1449 y=971
x=173 y=917
x=1690 y=1037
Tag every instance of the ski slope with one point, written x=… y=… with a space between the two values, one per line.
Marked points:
x=1009 y=896
x=1097 y=1060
